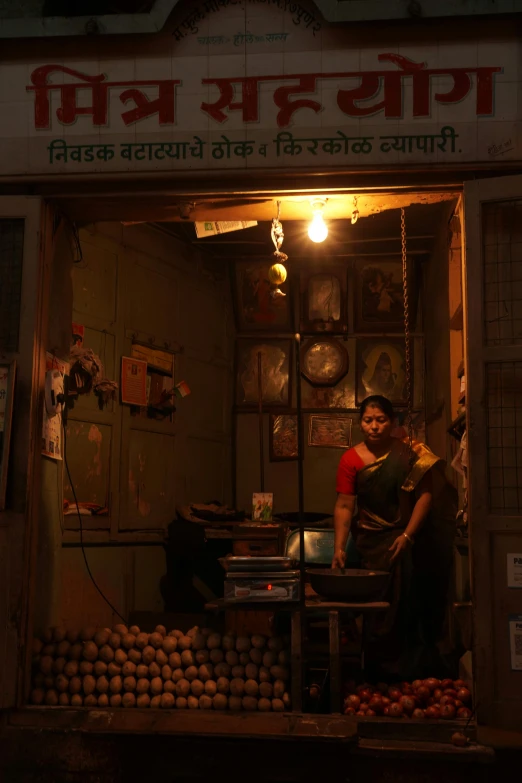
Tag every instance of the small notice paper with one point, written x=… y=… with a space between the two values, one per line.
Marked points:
x=133 y=381
x=514 y=570
x=515 y=639
x=222 y=227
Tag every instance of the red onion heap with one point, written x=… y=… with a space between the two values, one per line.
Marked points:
x=430 y=699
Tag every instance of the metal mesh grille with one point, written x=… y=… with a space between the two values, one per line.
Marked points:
x=504 y=422
x=11 y=257
x=502 y=223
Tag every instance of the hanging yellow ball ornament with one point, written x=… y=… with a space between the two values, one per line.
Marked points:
x=277 y=274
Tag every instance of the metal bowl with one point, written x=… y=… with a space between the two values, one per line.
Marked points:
x=350 y=584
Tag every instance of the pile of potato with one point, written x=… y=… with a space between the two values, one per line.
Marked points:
x=124 y=667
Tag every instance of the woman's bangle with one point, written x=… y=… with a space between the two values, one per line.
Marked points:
x=406 y=536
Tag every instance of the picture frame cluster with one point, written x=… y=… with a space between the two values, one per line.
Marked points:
x=351 y=322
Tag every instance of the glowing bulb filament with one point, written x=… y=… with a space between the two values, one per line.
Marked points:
x=317 y=230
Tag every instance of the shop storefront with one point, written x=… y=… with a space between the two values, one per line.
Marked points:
x=406 y=140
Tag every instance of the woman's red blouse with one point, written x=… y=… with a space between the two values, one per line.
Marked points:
x=349 y=466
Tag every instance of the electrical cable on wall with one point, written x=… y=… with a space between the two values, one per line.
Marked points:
x=93 y=580
x=77 y=242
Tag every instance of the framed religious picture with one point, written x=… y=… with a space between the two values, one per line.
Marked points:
x=324 y=361
x=283 y=437
x=379 y=296
x=332 y=432
x=381 y=369
x=7 y=381
x=256 y=309
x=274 y=358
x=323 y=300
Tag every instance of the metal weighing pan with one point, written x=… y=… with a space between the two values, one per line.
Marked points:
x=274 y=576
x=255 y=564
x=349 y=584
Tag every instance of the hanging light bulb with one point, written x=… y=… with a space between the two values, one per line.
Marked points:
x=317 y=230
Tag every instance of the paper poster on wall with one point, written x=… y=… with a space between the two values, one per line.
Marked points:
x=133 y=381
x=52 y=434
x=514 y=570
x=515 y=639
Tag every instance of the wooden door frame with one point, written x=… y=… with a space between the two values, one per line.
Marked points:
x=20 y=519
x=483 y=524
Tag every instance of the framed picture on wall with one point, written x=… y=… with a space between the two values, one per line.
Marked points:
x=332 y=432
x=7 y=381
x=283 y=437
x=255 y=308
x=323 y=299
x=381 y=369
x=274 y=357
x=324 y=361
x=379 y=296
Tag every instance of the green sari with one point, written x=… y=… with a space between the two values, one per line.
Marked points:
x=420 y=575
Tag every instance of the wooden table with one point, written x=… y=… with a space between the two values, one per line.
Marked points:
x=314 y=604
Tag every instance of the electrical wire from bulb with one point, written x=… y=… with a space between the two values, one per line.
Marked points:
x=93 y=580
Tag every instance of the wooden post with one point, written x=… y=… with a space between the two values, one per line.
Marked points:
x=300 y=487
x=335 y=662
x=297 y=663
x=260 y=410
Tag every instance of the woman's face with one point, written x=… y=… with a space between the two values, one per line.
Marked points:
x=376 y=425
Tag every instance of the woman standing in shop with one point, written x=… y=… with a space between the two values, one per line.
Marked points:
x=404 y=524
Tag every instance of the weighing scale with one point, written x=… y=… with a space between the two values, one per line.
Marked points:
x=261 y=579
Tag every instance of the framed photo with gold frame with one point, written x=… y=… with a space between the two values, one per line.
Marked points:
x=276 y=372
x=330 y=431
x=7 y=386
x=323 y=299
x=379 y=295
x=381 y=369
x=282 y=439
x=255 y=308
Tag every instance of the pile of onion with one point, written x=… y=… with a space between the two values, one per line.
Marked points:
x=431 y=698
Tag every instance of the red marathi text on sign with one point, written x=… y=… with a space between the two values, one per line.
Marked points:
x=384 y=87
x=68 y=111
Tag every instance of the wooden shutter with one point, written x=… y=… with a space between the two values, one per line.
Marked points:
x=493 y=283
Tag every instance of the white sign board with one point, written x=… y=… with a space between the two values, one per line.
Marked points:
x=514 y=570
x=251 y=84
x=515 y=641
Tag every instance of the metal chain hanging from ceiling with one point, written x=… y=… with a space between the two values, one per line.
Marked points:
x=407 y=330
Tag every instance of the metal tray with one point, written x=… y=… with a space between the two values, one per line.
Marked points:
x=274 y=576
x=255 y=564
